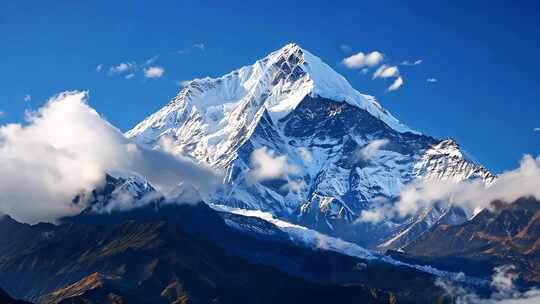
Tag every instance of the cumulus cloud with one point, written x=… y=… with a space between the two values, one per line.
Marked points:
x=360 y=60
x=122 y=67
x=396 y=84
x=154 y=72
x=372 y=148
x=65 y=148
x=267 y=166
x=373 y=58
x=432 y=80
x=504 y=290
x=472 y=196
x=385 y=71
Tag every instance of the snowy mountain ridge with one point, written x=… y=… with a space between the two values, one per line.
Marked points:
x=294 y=105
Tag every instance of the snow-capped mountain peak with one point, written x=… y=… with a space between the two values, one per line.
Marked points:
x=277 y=83
x=293 y=104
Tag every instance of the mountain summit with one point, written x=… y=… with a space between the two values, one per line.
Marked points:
x=292 y=107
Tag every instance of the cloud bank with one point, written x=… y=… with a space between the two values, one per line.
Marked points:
x=505 y=292
x=65 y=148
x=472 y=196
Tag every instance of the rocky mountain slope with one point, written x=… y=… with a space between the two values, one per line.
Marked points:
x=298 y=108
x=7 y=299
x=507 y=234
x=171 y=253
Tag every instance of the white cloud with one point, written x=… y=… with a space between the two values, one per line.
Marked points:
x=345 y=48
x=536 y=129
x=27 y=97
x=154 y=72
x=372 y=148
x=385 y=71
x=122 y=67
x=432 y=80
x=151 y=60
x=130 y=75
x=99 y=67
x=377 y=214
x=306 y=156
x=200 y=46
x=409 y=63
x=197 y=46
x=365 y=71
x=374 y=58
x=472 y=196
x=360 y=60
x=65 y=148
x=266 y=166
x=505 y=292
x=396 y=84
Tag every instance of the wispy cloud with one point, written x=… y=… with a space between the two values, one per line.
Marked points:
x=432 y=80
x=200 y=46
x=360 y=60
x=396 y=84
x=151 y=60
x=154 y=72
x=188 y=50
x=372 y=148
x=3 y=114
x=345 y=48
x=536 y=129
x=130 y=75
x=27 y=98
x=99 y=67
x=409 y=62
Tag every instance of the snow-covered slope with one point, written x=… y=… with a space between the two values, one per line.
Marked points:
x=296 y=106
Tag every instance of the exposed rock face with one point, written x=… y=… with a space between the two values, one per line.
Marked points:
x=174 y=255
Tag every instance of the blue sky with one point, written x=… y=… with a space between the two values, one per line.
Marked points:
x=485 y=56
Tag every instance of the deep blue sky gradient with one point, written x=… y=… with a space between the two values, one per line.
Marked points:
x=485 y=55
